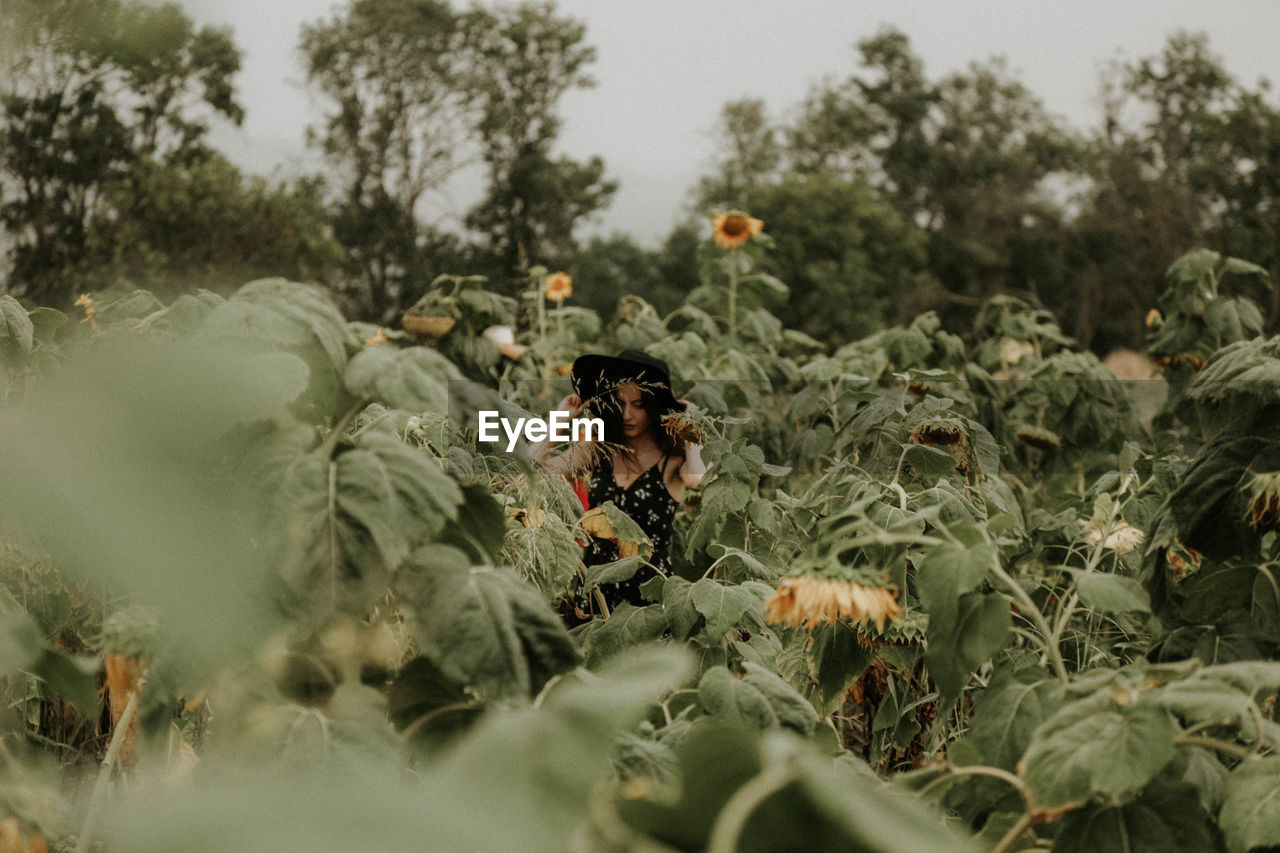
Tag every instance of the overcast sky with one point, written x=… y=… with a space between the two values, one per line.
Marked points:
x=665 y=67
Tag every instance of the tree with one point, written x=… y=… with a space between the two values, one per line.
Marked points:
x=748 y=154
x=1180 y=161
x=607 y=269
x=847 y=255
x=963 y=159
x=90 y=87
x=205 y=224
x=398 y=74
x=528 y=59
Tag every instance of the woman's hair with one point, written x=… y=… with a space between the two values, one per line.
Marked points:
x=611 y=413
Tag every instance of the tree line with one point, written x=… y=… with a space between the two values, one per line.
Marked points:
x=888 y=192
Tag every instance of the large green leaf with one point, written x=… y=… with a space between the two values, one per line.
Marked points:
x=1250 y=816
x=221 y=387
x=736 y=700
x=945 y=574
x=21 y=640
x=1095 y=746
x=489 y=630
x=615 y=572
x=74 y=679
x=1207 y=700
x=723 y=605
x=713 y=760
x=792 y=709
x=16 y=332
x=677 y=604
x=357 y=516
x=479 y=527
x=427 y=705
x=1167 y=818
x=837 y=659
x=1108 y=593
x=627 y=626
x=1007 y=714
x=281 y=314
x=725 y=495
x=521 y=780
x=980 y=628
x=416 y=378
x=929 y=462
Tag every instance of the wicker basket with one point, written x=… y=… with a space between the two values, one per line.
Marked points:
x=431 y=328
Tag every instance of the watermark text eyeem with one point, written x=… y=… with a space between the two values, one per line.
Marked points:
x=558 y=427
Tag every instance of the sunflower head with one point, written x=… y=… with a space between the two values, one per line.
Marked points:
x=1183 y=560
x=1013 y=351
x=1038 y=437
x=1173 y=362
x=938 y=433
x=682 y=428
x=808 y=601
x=90 y=312
x=558 y=287
x=1264 y=499
x=1121 y=538
x=732 y=229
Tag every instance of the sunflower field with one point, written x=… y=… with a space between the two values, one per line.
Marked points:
x=262 y=589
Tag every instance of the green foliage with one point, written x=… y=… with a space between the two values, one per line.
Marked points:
x=1251 y=811
x=363 y=588
x=1096 y=746
x=93 y=92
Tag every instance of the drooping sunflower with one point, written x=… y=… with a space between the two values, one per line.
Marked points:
x=809 y=601
x=1264 y=499
x=731 y=229
x=1038 y=437
x=1122 y=538
x=559 y=287
x=90 y=312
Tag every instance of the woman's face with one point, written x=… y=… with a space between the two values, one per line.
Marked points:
x=635 y=420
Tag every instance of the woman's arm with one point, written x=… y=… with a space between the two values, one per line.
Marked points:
x=693 y=468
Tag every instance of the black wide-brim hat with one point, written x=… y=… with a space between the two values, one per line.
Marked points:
x=596 y=376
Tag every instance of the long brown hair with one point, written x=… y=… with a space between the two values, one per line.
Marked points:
x=611 y=412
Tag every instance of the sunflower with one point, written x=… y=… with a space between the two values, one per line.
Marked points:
x=90 y=313
x=1038 y=437
x=596 y=523
x=681 y=428
x=936 y=433
x=1183 y=559
x=731 y=230
x=1013 y=351
x=1122 y=539
x=559 y=287
x=1264 y=499
x=807 y=601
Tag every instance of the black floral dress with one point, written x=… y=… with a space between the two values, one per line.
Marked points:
x=649 y=503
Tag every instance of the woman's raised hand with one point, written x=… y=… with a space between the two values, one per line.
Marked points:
x=571 y=404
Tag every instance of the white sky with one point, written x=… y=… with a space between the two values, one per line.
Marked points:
x=665 y=67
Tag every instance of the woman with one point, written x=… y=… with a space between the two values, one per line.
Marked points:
x=640 y=466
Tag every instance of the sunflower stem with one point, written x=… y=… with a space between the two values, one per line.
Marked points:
x=542 y=323
x=733 y=306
